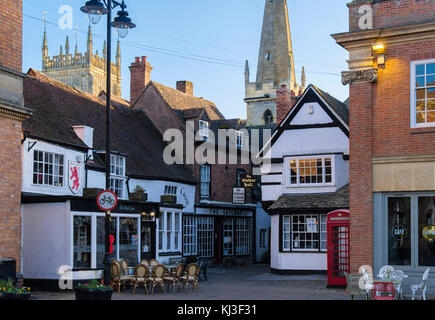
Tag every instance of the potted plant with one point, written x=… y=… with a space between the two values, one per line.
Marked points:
x=10 y=292
x=93 y=291
x=138 y=194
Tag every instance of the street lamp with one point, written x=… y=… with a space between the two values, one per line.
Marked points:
x=95 y=9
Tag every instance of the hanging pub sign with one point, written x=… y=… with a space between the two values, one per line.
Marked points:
x=399 y=232
x=429 y=232
x=74 y=176
x=239 y=195
x=249 y=181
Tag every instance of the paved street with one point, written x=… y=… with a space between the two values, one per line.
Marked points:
x=235 y=283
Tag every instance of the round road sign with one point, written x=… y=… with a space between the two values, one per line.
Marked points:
x=107 y=200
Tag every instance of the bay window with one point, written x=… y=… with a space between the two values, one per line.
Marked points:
x=304 y=232
x=311 y=171
x=48 y=168
x=423 y=93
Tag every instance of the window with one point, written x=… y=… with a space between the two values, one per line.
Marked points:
x=48 y=168
x=239 y=140
x=203 y=128
x=205 y=237
x=302 y=232
x=170 y=232
x=170 y=191
x=263 y=241
x=239 y=176
x=423 y=93
x=117 y=174
x=128 y=239
x=268 y=118
x=228 y=237
x=317 y=171
x=190 y=235
x=82 y=242
x=399 y=225
x=242 y=232
x=205 y=181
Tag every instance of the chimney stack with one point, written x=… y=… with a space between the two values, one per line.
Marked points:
x=185 y=86
x=140 y=73
x=285 y=100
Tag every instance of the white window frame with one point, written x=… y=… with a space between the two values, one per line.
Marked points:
x=414 y=123
x=243 y=233
x=53 y=164
x=205 y=181
x=171 y=190
x=173 y=234
x=309 y=185
x=117 y=174
x=205 y=237
x=239 y=140
x=190 y=236
x=203 y=127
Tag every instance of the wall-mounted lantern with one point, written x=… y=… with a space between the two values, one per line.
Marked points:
x=379 y=52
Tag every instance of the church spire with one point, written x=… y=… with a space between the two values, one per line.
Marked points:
x=67 y=46
x=275 y=61
x=303 y=79
x=44 y=42
x=118 y=54
x=89 y=43
x=247 y=73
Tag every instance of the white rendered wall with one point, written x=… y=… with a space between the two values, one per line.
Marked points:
x=45 y=238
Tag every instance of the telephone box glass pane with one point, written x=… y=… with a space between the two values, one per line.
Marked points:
x=399 y=229
x=426 y=231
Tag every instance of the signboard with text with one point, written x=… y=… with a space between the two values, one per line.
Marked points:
x=239 y=195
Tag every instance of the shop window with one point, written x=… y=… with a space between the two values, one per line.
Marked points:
x=170 y=232
x=314 y=171
x=399 y=228
x=423 y=93
x=228 y=237
x=301 y=232
x=101 y=240
x=82 y=241
x=426 y=231
x=242 y=232
x=128 y=240
x=190 y=235
x=205 y=237
x=48 y=168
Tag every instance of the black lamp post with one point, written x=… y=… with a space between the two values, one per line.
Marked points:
x=95 y=10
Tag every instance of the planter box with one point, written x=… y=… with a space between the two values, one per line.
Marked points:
x=136 y=196
x=14 y=296
x=92 y=294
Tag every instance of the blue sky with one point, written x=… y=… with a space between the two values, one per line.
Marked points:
x=203 y=41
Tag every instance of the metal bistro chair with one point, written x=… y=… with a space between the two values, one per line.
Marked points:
x=398 y=276
x=353 y=285
x=385 y=271
x=383 y=291
x=368 y=283
x=422 y=286
x=141 y=275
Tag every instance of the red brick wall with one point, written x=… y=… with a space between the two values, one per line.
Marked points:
x=140 y=75
x=185 y=86
x=10 y=188
x=392 y=13
x=11 y=38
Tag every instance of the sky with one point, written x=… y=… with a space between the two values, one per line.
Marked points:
x=203 y=41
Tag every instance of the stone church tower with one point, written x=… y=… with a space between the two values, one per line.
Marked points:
x=83 y=71
x=275 y=67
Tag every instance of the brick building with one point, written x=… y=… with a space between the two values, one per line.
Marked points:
x=12 y=113
x=219 y=228
x=391 y=80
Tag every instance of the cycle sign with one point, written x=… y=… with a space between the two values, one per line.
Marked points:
x=107 y=200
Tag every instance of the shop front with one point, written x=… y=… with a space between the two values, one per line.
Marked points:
x=66 y=233
x=404 y=233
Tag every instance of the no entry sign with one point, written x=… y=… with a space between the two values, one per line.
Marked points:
x=107 y=200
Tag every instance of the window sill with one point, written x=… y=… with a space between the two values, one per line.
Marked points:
x=422 y=130
x=166 y=254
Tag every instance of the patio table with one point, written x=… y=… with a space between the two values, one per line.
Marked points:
x=396 y=283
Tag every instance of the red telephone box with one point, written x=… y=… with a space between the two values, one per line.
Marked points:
x=338 y=247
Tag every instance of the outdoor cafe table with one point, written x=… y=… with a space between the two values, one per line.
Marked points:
x=394 y=282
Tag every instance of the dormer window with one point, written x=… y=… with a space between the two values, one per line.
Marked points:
x=203 y=128
x=117 y=175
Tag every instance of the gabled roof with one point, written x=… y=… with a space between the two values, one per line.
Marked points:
x=178 y=100
x=337 y=111
x=57 y=107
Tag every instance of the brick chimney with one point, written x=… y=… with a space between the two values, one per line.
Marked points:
x=285 y=100
x=140 y=75
x=185 y=86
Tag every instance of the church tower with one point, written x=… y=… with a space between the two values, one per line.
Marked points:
x=275 y=66
x=83 y=71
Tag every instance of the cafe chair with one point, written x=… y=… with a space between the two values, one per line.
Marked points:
x=154 y=262
x=175 y=277
x=191 y=276
x=141 y=275
x=145 y=262
x=159 y=272
x=118 y=278
x=383 y=291
x=421 y=287
x=385 y=271
x=398 y=276
x=367 y=282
